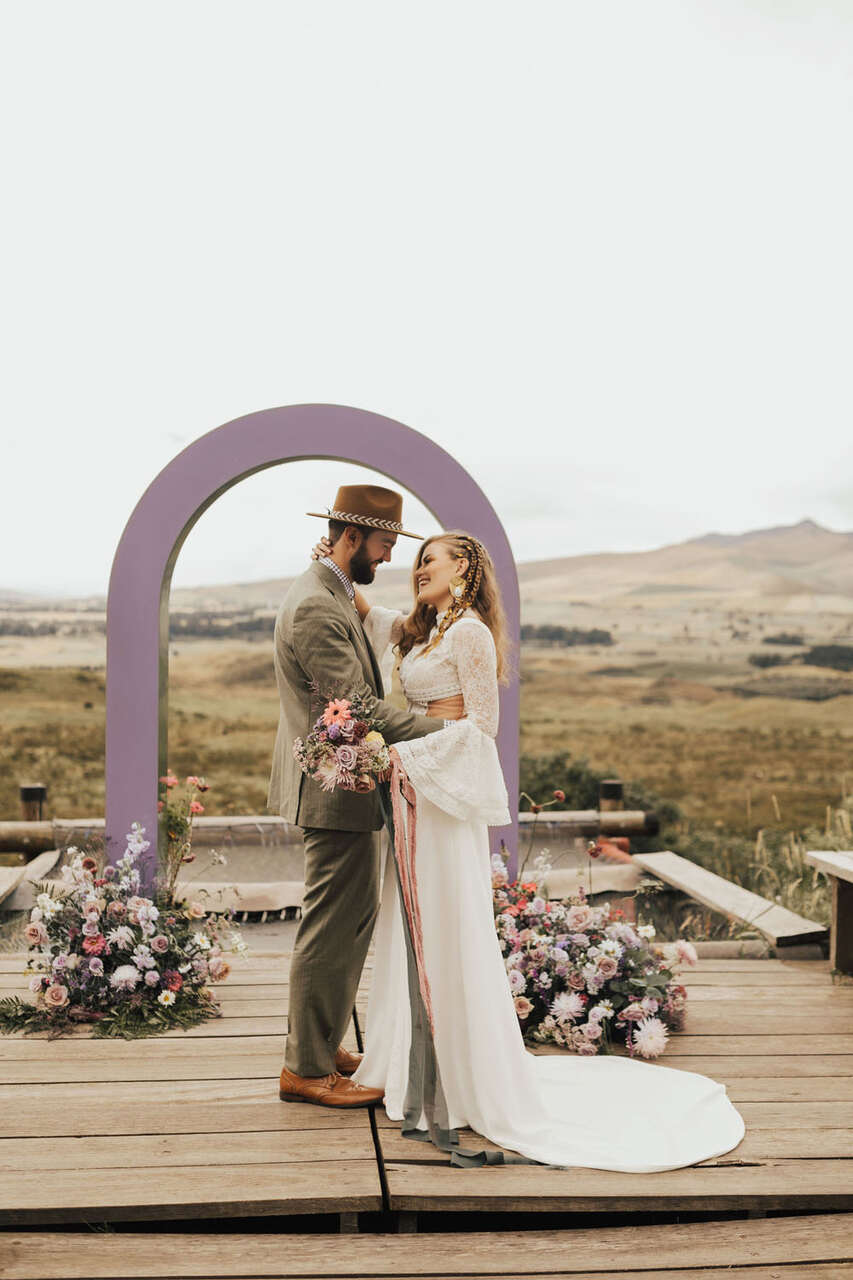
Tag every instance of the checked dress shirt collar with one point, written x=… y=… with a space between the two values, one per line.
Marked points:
x=336 y=568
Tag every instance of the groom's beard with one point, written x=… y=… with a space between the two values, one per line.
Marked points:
x=361 y=568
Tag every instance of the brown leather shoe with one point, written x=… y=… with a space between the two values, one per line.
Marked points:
x=332 y=1090
x=346 y=1063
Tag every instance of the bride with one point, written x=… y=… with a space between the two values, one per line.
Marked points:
x=457 y=1020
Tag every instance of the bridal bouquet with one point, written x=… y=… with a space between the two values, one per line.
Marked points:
x=102 y=953
x=581 y=976
x=344 y=748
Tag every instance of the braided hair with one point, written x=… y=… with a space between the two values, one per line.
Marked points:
x=480 y=590
x=474 y=554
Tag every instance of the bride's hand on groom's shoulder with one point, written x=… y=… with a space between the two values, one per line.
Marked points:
x=322 y=548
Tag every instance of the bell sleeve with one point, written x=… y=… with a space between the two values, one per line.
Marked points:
x=476 y=662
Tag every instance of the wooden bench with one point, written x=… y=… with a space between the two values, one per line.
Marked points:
x=838 y=865
x=779 y=925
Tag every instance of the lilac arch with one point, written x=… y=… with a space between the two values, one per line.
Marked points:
x=138 y=602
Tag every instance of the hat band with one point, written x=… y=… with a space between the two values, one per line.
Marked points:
x=376 y=522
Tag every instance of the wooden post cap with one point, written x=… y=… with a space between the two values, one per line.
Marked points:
x=610 y=794
x=33 y=796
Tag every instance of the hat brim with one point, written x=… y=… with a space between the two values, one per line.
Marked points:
x=324 y=515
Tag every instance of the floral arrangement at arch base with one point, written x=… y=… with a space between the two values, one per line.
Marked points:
x=131 y=966
x=583 y=977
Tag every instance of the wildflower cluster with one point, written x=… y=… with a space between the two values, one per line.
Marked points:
x=344 y=748
x=177 y=810
x=101 y=952
x=582 y=977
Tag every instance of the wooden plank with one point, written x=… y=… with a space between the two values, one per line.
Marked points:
x=187 y=1067
x=186 y=1191
x=214 y=1060
x=747 y=1046
x=705 y=1020
x=827 y=1088
x=774 y=1184
x=22 y=898
x=826 y=1009
x=267 y=1065
x=778 y=980
x=757 y=1146
x=10 y=878
x=835 y=862
x=193 y=1105
x=204 y=1148
x=796 y=1271
x=702 y=1020
x=799 y=1271
x=743 y=996
x=218 y=1027
x=163 y=1107
x=777 y=924
x=764 y=1243
x=256 y=895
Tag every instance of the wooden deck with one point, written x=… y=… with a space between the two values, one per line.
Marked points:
x=811 y=1247
x=189 y=1126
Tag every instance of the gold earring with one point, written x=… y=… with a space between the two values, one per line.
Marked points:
x=457 y=586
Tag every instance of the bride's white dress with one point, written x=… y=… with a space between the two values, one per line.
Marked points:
x=599 y=1112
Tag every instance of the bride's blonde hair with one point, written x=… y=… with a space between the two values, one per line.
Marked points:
x=481 y=592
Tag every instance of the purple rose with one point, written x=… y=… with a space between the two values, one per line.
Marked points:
x=346 y=756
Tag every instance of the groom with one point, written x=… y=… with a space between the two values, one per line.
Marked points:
x=318 y=634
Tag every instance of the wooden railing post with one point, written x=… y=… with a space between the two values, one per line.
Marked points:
x=33 y=796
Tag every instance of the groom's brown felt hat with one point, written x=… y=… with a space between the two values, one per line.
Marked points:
x=369 y=505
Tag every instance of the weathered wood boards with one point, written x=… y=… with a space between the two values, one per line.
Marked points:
x=198 y=1119
x=838 y=866
x=780 y=926
x=812 y=1247
x=792 y=1089
x=22 y=896
x=195 y=1117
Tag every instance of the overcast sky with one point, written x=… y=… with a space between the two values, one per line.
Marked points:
x=599 y=252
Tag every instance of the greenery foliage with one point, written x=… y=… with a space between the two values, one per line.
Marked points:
x=550 y=633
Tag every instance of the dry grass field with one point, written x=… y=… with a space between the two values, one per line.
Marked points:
x=665 y=718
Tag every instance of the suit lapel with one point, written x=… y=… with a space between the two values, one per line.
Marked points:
x=332 y=583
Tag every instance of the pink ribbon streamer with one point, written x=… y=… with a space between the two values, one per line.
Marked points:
x=405 y=853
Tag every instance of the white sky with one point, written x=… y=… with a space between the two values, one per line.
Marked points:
x=599 y=252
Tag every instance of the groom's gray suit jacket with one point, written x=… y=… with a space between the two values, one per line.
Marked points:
x=318 y=634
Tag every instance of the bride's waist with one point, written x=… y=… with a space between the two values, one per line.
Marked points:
x=451 y=708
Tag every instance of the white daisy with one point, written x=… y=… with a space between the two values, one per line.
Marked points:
x=650 y=1037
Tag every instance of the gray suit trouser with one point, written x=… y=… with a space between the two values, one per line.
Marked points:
x=338 y=912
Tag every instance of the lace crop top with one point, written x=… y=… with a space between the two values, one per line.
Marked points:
x=464 y=661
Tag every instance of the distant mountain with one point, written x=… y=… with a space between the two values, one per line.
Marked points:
x=783 y=568
x=788 y=568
